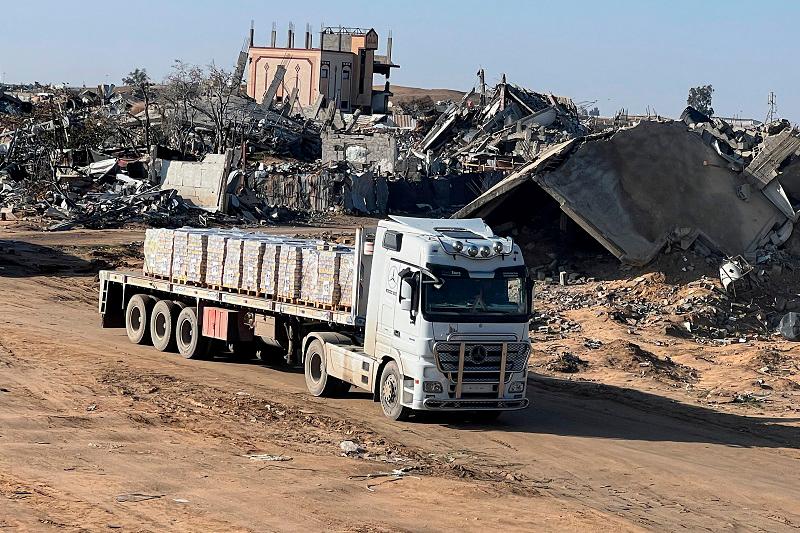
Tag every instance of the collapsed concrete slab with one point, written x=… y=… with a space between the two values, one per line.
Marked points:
x=365 y=152
x=201 y=183
x=637 y=189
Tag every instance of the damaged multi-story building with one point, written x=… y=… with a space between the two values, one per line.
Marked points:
x=341 y=69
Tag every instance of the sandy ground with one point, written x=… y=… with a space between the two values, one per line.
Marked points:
x=97 y=434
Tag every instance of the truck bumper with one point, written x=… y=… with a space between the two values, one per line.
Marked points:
x=478 y=397
x=432 y=404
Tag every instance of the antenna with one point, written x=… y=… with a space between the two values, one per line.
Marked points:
x=772 y=110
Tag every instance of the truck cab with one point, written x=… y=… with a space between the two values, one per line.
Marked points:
x=446 y=322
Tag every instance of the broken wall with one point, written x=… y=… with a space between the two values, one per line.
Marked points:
x=635 y=189
x=376 y=152
x=200 y=182
x=639 y=188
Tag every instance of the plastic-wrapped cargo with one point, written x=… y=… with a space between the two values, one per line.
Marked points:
x=196 y=256
x=310 y=278
x=149 y=251
x=158 y=245
x=327 y=283
x=290 y=271
x=233 y=265
x=252 y=261
x=270 y=265
x=180 y=253
x=346 y=275
x=215 y=258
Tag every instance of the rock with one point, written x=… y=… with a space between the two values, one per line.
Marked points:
x=351 y=448
x=789 y=326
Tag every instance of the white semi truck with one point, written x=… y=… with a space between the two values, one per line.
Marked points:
x=438 y=320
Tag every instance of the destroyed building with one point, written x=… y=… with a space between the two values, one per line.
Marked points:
x=339 y=70
x=500 y=132
x=697 y=181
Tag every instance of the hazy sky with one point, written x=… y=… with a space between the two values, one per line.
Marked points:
x=631 y=54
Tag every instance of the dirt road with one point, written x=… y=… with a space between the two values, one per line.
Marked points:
x=97 y=433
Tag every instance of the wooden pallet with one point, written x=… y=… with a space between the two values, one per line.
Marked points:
x=287 y=300
x=249 y=292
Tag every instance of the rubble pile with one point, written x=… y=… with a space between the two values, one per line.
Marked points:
x=73 y=157
x=701 y=309
x=511 y=127
x=659 y=185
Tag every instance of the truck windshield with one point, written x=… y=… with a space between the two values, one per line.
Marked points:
x=500 y=298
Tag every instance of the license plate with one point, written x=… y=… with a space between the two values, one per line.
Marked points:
x=477 y=387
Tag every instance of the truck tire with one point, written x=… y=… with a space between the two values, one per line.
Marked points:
x=318 y=381
x=188 y=337
x=137 y=318
x=391 y=390
x=163 y=319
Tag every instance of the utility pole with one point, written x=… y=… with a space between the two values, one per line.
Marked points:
x=772 y=110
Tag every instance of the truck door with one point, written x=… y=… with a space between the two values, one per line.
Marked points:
x=388 y=300
x=406 y=307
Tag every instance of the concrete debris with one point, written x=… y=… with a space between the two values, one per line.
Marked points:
x=732 y=271
x=268 y=457
x=351 y=448
x=641 y=190
x=789 y=326
x=512 y=127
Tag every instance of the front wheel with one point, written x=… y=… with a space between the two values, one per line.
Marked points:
x=318 y=381
x=391 y=393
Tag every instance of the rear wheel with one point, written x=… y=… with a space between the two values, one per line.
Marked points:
x=391 y=392
x=189 y=338
x=137 y=318
x=318 y=381
x=162 y=325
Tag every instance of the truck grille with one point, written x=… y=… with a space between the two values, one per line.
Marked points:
x=481 y=357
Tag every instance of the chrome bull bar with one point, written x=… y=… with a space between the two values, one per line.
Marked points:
x=483 y=357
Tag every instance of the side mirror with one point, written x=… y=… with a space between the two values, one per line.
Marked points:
x=529 y=283
x=406 y=294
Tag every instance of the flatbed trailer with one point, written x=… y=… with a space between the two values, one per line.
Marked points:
x=132 y=281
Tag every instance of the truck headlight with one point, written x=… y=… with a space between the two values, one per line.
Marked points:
x=432 y=387
x=498 y=247
x=485 y=251
x=472 y=250
x=516 y=386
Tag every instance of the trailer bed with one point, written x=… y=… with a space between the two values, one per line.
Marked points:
x=214 y=296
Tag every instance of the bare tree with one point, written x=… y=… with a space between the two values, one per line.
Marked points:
x=140 y=81
x=216 y=89
x=182 y=89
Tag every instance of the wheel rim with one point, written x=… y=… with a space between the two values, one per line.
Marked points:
x=389 y=391
x=315 y=367
x=161 y=325
x=186 y=333
x=136 y=318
